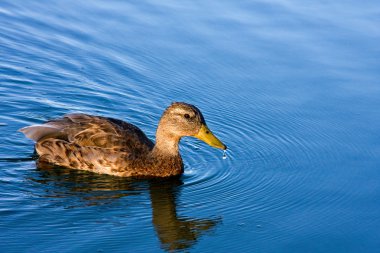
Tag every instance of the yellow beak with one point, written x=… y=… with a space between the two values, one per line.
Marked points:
x=207 y=136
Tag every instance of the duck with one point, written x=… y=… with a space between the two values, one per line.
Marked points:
x=111 y=146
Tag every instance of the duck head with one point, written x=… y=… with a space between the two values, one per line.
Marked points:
x=182 y=119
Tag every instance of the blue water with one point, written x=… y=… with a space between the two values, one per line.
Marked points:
x=291 y=87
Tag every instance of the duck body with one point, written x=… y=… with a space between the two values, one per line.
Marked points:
x=111 y=146
x=104 y=145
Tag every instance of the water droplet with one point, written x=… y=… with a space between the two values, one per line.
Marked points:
x=224 y=154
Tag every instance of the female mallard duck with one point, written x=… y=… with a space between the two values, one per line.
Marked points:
x=114 y=147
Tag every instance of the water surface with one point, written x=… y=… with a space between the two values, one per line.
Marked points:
x=291 y=87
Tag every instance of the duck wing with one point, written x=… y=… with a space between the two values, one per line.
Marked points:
x=92 y=131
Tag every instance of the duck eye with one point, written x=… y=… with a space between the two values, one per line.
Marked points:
x=187 y=116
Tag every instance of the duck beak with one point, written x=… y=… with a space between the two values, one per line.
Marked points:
x=207 y=136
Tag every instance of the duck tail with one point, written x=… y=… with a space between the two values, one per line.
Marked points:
x=38 y=132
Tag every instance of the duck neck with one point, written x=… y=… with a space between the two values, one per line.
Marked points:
x=165 y=158
x=167 y=144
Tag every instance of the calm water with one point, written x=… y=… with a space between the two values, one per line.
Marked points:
x=291 y=87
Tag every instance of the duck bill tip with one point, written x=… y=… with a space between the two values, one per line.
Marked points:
x=208 y=137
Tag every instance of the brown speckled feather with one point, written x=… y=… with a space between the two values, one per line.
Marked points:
x=111 y=146
x=96 y=131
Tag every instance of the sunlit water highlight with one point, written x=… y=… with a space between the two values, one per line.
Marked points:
x=292 y=88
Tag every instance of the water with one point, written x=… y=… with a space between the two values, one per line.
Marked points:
x=291 y=87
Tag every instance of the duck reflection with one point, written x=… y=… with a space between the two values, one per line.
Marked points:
x=174 y=232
